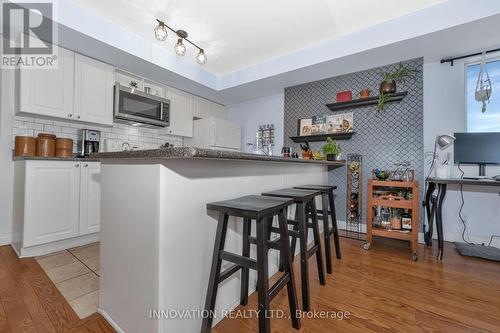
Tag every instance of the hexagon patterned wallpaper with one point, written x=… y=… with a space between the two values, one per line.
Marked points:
x=383 y=138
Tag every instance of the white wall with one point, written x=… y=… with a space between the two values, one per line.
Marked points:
x=251 y=114
x=444 y=113
x=6 y=165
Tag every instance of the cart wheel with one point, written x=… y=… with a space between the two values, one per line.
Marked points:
x=414 y=256
x=367 y=245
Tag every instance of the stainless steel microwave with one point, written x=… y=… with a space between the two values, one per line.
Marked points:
x=133 y=105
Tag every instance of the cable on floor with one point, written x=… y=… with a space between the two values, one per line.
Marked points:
x=464 y=230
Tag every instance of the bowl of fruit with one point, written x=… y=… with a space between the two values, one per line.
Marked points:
x=381 y=174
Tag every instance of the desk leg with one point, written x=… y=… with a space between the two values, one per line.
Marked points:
x=428 y=196
x=439 y=219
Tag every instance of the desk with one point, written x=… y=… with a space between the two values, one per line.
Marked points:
x=433 y=207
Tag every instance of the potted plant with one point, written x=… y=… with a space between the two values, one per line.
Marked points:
x=331 y=149
x=388 y=84
x=306 y=150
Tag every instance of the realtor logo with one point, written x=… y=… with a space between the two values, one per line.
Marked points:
x=28 y=35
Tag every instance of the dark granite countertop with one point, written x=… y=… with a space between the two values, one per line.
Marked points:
x=38 y=158
x=202 y=153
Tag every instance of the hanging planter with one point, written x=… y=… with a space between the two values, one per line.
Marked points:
x=483 y=84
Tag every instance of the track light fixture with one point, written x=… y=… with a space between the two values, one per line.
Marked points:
x=160 y=32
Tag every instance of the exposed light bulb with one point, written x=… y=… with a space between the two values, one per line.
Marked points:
x=161 y=31
x=201 y=58
x=179 y=48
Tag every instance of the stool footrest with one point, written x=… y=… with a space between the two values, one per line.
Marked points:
x=274 y=244
x=278 y=285
x=312 y=251
x=239 y=260
x=295 y=223
x=228 y=272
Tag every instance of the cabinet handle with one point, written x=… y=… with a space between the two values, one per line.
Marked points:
x=70 y=115
x=85 y=165
x=77 y=165
x=77 y=117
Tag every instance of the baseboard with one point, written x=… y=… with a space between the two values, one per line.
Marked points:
x=110 y=321
x=40 y=250
x=5 y=239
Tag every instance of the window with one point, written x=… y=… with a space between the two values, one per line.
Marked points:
x=490 y=120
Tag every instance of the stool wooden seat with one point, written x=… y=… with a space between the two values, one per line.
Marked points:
x=262 y=210
x=328 y=208
x=304 y=199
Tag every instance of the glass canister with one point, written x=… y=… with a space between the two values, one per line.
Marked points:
x=395 y=219
x=46 y=145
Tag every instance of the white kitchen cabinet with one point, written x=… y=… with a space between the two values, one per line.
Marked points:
x=201 y=107
x=94 y=82
x=217 y=110
x=48 y=92
x=181 y=112
x=155 y=89
x=127 y=79
x=90 y=197
x=51 y=205
x=57 y=205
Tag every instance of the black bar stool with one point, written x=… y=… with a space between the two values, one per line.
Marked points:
x=305 y=207
x=262 y=210
x=327 y=199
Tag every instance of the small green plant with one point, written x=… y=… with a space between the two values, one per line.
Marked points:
x=382 y=101
x=331 y=147
x=401 y=74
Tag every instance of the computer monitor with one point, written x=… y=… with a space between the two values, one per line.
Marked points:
x=477 y=148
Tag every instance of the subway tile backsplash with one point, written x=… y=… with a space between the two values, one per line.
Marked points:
x=23 y=125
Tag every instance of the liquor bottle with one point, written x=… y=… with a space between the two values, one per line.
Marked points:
x=406 y=220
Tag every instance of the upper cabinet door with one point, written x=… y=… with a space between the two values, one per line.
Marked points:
x=51 y=211
x=217 y=110
x=181 y=113
x=49 y=92
x=90 y=197
x=201 y=107
x=94 y=82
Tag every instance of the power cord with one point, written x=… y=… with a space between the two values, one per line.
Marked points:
x=461 y=208
x=491 y=239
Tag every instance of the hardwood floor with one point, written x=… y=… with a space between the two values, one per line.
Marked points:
x=30 y=302
x=383 y=290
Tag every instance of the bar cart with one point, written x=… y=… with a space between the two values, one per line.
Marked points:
x=393 y=211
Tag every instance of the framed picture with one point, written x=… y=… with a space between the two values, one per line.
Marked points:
x=318 y=125
x=347 y=122
x=334 y=123
x=305 y=126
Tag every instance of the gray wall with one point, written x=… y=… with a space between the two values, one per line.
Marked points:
x=382 y=138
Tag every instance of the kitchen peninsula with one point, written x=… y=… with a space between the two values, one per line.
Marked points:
x=157 y=236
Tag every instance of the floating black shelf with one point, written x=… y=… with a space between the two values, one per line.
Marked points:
x=322 y=137
x=365 y=101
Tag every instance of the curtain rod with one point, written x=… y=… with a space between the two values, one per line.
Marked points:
x=451 y=60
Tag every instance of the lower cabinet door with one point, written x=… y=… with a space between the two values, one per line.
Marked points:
x=51 y=210
x=90 y=197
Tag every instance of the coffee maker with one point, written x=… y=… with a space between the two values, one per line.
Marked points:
x=88 y=142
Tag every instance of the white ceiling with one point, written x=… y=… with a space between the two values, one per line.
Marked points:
x=239 y=34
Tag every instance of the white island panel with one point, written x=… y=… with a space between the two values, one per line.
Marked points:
x=157 y=235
